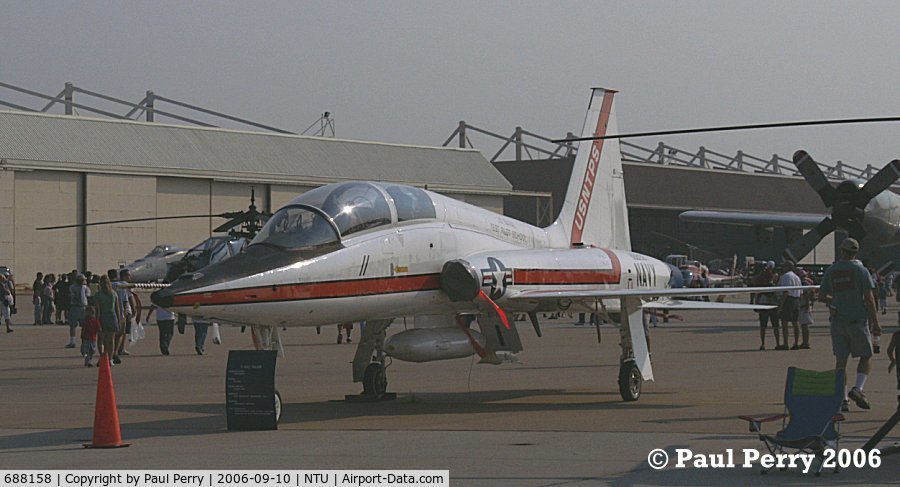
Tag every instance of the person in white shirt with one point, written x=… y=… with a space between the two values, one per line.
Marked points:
x=789 y=309
x=165 y=322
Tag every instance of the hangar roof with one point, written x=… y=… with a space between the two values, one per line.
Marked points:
x=91 y=144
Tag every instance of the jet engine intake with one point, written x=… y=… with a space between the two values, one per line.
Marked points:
x=460 y=280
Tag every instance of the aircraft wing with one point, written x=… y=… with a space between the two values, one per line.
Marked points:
x=748 y=218
x=677 y=304
x=603 y=293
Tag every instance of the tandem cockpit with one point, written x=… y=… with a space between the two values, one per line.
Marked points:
x=326 y=215
x=312 y=224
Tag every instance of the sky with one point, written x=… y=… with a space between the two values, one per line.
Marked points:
x=409 y=71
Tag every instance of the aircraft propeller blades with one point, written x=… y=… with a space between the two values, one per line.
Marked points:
x=805 y=244
x=847 y=202
x=814 y=177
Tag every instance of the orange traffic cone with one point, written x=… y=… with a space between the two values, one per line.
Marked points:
x=106 y=415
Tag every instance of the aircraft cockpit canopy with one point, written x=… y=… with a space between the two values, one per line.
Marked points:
x=294 y=227
x=163 y=250
x=352 y=207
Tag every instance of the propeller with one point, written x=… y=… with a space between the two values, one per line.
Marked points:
x=847 y=202
x=245 y=223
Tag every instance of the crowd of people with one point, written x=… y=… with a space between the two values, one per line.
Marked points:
x=791 y=307
x=106 y=309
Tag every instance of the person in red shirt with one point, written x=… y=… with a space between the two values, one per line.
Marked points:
x=89 y=328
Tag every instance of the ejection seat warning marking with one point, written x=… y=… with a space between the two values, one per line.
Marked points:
x=250 y=390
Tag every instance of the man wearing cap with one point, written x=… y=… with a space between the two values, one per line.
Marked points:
x=847 y=289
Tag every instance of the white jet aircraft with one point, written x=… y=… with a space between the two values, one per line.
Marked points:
x=377 y=251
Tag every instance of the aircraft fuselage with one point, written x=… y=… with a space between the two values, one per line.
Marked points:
x=395 y=270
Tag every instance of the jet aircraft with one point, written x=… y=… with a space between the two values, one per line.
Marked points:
x=377 y=251
x=153 y=266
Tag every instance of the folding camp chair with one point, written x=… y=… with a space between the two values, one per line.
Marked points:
x=811 y=422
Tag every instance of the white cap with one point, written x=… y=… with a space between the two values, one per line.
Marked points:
x=770 y=264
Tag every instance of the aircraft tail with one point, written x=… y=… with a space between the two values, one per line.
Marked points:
x=594 y=211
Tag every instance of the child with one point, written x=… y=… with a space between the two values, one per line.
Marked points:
x=882 y=296
x=807 y=298
x=89 y=329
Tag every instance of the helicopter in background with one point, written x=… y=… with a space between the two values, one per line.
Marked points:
x=165 y=263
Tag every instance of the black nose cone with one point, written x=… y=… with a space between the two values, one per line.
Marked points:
x=164 y=298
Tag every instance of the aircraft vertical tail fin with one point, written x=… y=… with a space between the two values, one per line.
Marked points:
x=594 y=211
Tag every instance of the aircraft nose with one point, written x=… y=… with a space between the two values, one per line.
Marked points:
x=164 y=298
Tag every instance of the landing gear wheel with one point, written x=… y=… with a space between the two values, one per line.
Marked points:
x=277 y=407
x=630 y=381
x=375 y=380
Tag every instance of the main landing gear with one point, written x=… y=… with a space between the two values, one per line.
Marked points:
x=635 y=356
x=369 y=363
x=630 y=381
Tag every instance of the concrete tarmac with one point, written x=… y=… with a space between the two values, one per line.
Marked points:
x=556 y=418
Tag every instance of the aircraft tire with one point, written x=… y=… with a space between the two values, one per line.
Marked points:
x=277 y=407
x=375 y=380
x=630 y=381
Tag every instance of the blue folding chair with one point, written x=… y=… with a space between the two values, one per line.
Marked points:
x=811 y=422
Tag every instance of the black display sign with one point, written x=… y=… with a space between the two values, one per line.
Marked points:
x=250 y=390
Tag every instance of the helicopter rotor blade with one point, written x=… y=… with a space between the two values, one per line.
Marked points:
x=726 y=128
x=129 y=220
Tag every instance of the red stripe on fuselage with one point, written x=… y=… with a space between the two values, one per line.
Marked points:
x=583 y=203
x=526 y=277
x=313 y=290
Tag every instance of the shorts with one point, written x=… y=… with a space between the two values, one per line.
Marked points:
x=76 y=316
x=850 y=338
x=790 y=309
x=88 y=347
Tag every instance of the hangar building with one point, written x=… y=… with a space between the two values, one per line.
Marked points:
x=59 y=169
x=65 y=169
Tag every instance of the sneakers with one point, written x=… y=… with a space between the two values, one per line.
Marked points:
x=349 y=340
x=71 y=345
x=199 y=350
x=859 y=398
x=795 y=347
x=781 y=347
x=845 y=406
x=116 y=360
x=804 y=346
x=124 y=352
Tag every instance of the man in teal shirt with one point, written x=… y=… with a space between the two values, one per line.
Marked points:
x=847 y=289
